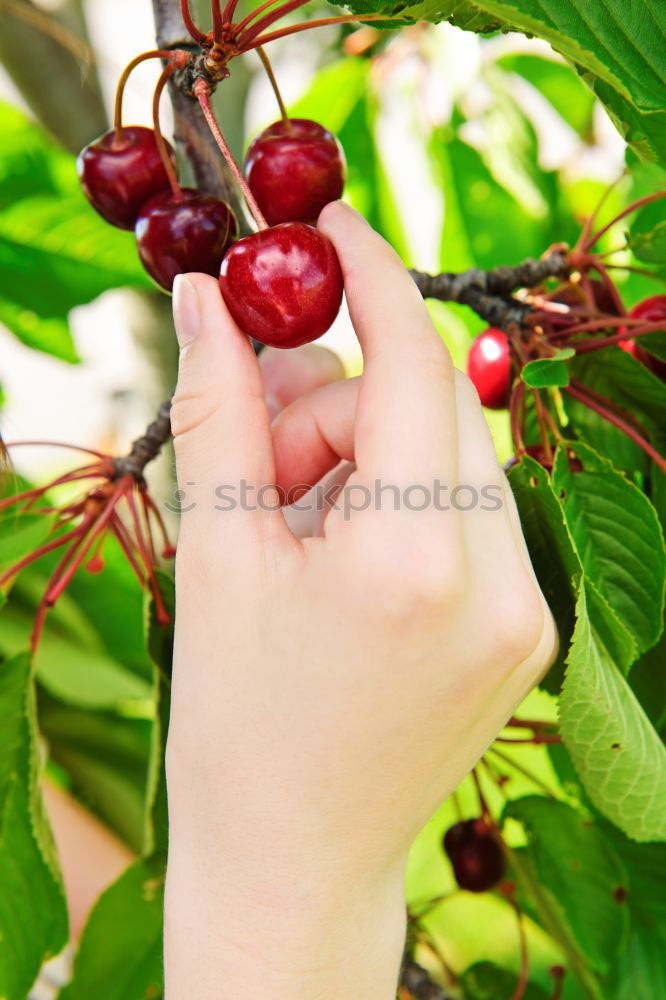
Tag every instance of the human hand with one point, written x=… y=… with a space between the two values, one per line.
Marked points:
x=329 y=692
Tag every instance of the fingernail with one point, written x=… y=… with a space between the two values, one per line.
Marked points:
x=186 y=310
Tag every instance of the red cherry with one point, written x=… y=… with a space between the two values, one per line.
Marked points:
x=190 y=233
x=293 y=169
x=652 y=310
x=283 y=286
x=489 y=367
x=476 y=854
x=120 y=171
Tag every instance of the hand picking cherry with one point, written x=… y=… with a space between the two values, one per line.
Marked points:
x=294 y=168
x=187 y=233
x=121 y=171
x=283 y=285
x=476 y=854
x=489 y=367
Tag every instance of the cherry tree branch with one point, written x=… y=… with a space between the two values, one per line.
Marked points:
x=417 y=981
x=489 y=293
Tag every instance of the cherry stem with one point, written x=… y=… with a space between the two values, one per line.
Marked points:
x=591 y=240
x=265 y=22
x=218 y=20
x=526 y=773
x=167 y=162
x=543 y=426
x=162 y=614
x=202 y=94
x=125 y=542
x=521 y=985
x=229 y=10
x=274 y=84
x=485 y=811
x=55 y=444
x=44 y=604
x=517 y=399
x=55 y=592
x=124 y=77
x=43 y=550
x=535 y=740
x=516 y=723
x=589 y=222
x=582 y=394
x=321 y=22
x=188 y=21
x=627 y=334
x=252 y=15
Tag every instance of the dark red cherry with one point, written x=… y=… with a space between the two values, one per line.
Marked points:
x=283 y=285
x=294 y=168
x=121 y=171
x=489 y=367
x=190 y=233
x=476 y=854
x=652 y=310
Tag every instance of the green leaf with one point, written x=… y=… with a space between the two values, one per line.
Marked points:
x=640 y=968
x=47 y=228
x=615 y=375
x=615 y=749
x=618 y=537
x=551 y=549
x=548 y=372
x=334 y=93
x=580 y=872
x=120 y=954
x=33 y=912
x=558 y=83
x=647 y=237
x=487 y=981
x=105 y=755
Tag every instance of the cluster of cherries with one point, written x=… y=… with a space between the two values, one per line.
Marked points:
x=489 y=363
x=282 y=284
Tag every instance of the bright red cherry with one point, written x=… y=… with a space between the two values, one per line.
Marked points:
x=489 y=367
x=293 y=169
x=190 y=233
x=121 y=171
x=652 y=310
x=476 y=854
x=283 y=285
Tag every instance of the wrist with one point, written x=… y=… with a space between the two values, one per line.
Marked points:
x=286 y=931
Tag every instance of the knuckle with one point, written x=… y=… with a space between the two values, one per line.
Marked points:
x=518 y=623
x=413 y=583
x=192 y=408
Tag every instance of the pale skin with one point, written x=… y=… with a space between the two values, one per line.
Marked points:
x=329 y=691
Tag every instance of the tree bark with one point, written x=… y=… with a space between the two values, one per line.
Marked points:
x=51 y=77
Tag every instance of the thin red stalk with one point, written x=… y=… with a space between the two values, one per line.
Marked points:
x=169 y=548
x=589 y=243
x=56 y=444
x=609 y=286
x=521 y=985
x=526 y=773
x=38 y=491
x=320 y=22
x=124 y=77
x=188 y=21
x=229 y=11
x=274 y=84
x=265 y=22
x=586 y=399
x=148 y=531
x=535 y=740
x=641 y=331
x=485 y=811
x=633 y=270
x=202 y=93
x=516 y=723
x=43 y=550
x=218 y=20
x=162 y=614
x=167 y=73
x=100 y=524
x=543 y=429
x=253 y=14
x=125 y=542
x=517 y=397
x=44 y=604
x=589 y=222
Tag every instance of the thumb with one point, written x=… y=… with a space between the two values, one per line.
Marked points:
x=219 y=419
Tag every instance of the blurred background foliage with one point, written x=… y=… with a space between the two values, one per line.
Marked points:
x=463 y=150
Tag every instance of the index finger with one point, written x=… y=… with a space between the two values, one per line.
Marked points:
x=406 y=415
